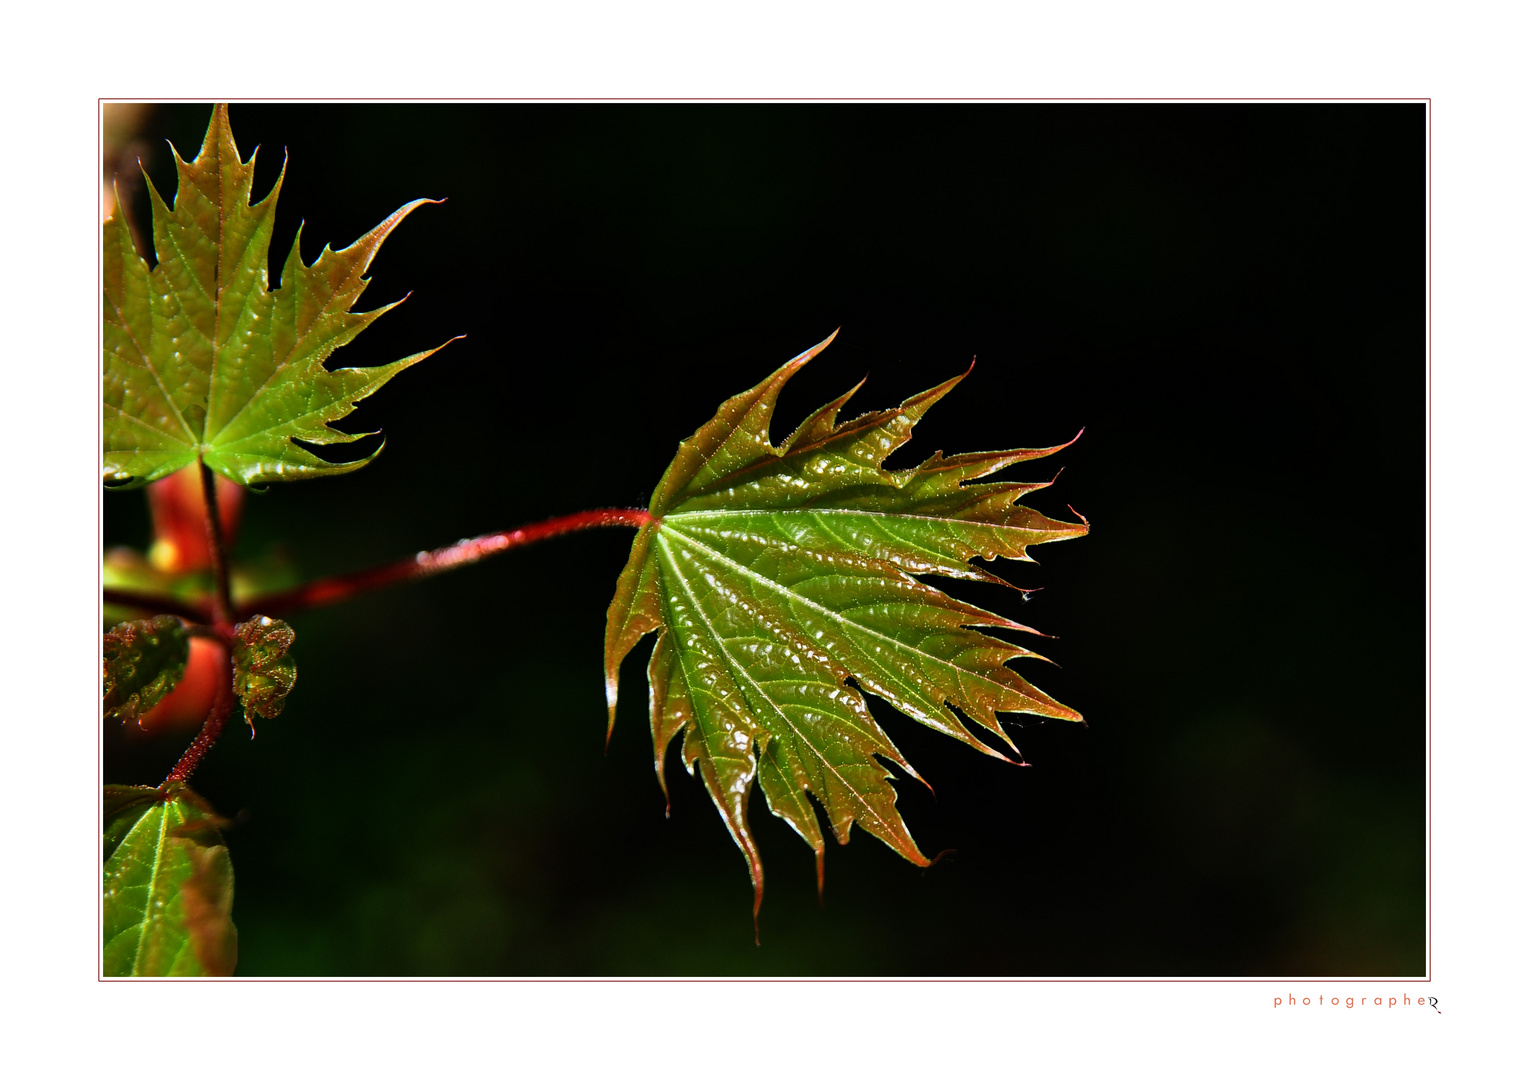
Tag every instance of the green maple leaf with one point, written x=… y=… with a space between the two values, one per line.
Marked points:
x=203 y=361
x=774 y=574
x=167 y=887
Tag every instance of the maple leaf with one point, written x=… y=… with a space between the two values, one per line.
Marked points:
x=167 y=885
x=773 y=575
x=141 y=662
x=263 y=672
x=203 y=361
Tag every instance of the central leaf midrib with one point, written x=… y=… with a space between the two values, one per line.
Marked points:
x=848 y=624
x=698 y=514
x=148 y=900
x=217 y=304
x=733 y=661
x=947 y=565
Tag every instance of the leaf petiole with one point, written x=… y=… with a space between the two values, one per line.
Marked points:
x=212 y=727
x=222 y=605
x=333 y=590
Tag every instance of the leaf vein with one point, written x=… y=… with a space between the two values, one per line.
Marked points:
x=796 y=731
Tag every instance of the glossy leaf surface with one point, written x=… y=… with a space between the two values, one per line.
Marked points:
x=263 y=672
x=204 y=360
x=168 y=885
x=141 y=662
x=772 y=575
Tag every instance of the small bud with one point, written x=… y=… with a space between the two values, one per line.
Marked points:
x=263 y=672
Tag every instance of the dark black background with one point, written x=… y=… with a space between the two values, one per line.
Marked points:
x=1230 y=298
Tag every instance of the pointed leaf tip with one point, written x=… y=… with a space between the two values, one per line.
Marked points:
x=790 y=367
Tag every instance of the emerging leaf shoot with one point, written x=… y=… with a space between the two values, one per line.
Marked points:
x=140 y=663
x=203 y=360
x=772 y=575
x=263 y=672
x=168 y=886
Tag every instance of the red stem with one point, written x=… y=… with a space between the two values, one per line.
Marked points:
x=163 y=605
x=429 y=563
x=223 y=627
x=222 y=604
x=212 y=727
x=333 y=590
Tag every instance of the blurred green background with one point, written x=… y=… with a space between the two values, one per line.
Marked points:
x=1229 y=297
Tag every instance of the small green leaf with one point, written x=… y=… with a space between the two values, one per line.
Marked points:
x=773 y=575
x=140 y=663
x=203 y=360
x=167 y=887
x=263 y=672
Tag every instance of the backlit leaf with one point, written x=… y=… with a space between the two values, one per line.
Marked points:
x=203 y=360
x=773 y=575
x=168 y=885
x=141 y=662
